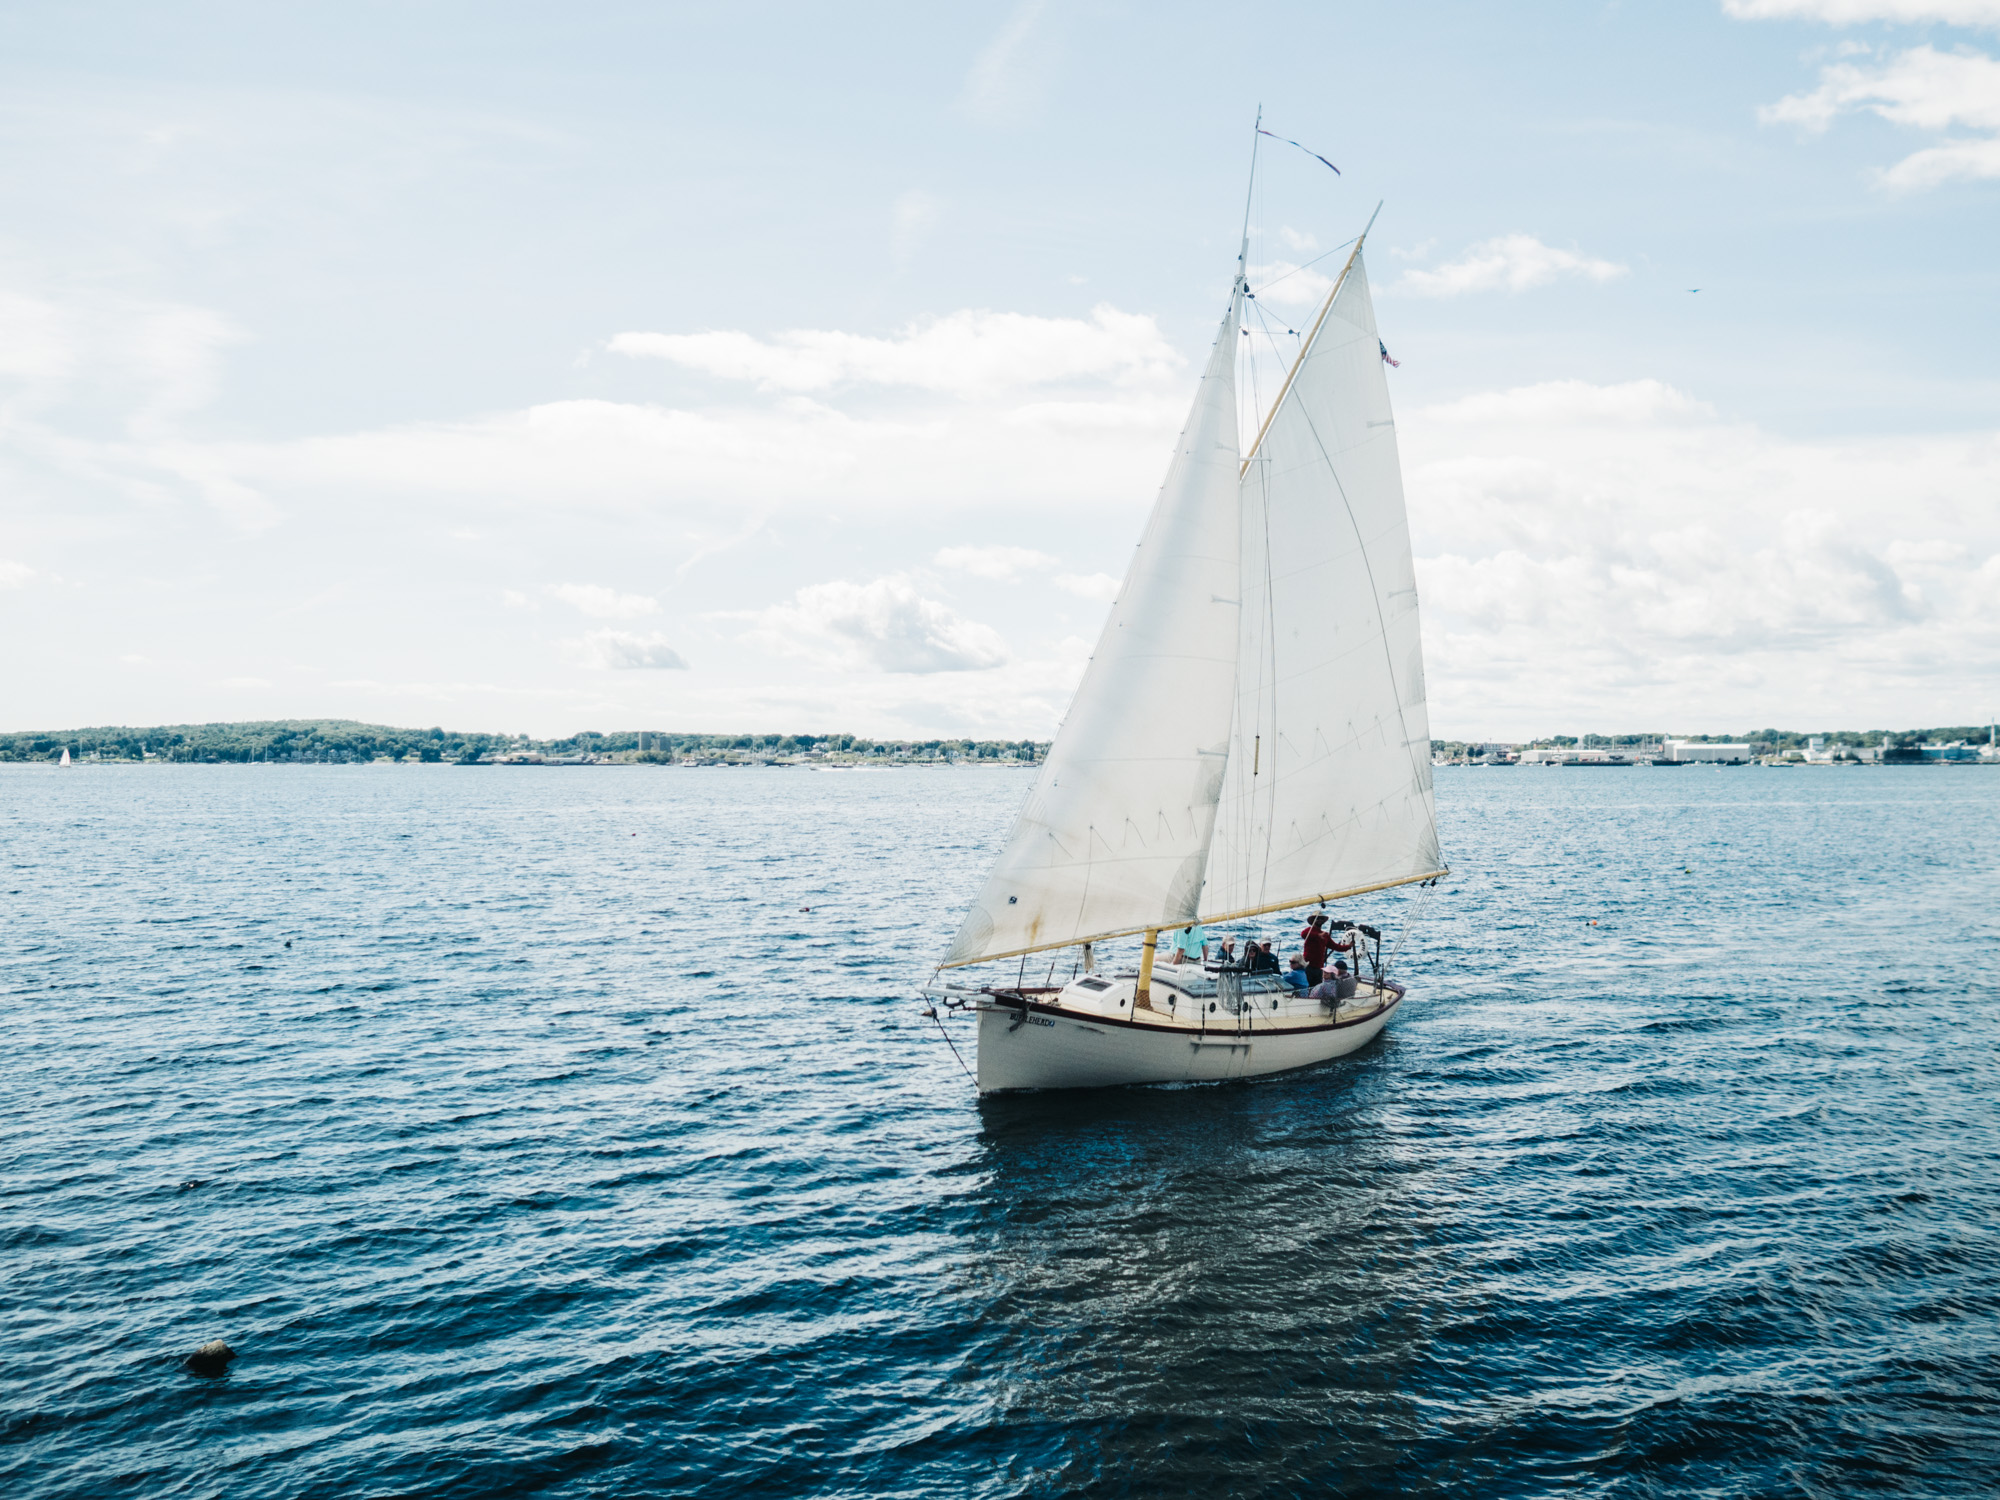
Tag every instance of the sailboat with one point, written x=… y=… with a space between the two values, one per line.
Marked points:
x=1249 y=738
x=65 y=756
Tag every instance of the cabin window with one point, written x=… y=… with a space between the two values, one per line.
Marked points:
x=1093 y=984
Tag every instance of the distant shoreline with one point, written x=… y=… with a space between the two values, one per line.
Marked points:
x=349 y=741
x=968 y=764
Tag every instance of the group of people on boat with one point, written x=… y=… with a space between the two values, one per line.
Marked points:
x=1307 y=972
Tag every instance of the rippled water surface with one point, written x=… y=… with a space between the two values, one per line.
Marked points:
x=574 y=1132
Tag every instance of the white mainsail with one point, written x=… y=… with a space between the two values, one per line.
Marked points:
x=1115 y=835
x=1329 y=784
x=1251 y=733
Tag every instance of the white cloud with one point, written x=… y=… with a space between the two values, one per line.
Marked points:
x=1510 y=262
x=602 y=603
x=14 y=575
x=617 y=650
x=515 y=599
x=1936 y=165
x=453 y=692
x=1570 y=402
x=1099 y=586
x=1007 y=78
x=74 y=362
x=1921 y=88
x=151 y=361
x=165 y=350
x=244 y=682
x=967 y=352
x=993 y=561
x=36 y=340
x=1624 y=554
x=1003 y=564
x=886 y=625
x=1854 y=12
x=1160 y=413
x=722 y=472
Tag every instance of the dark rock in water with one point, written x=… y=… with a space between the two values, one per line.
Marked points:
x=210 y=1359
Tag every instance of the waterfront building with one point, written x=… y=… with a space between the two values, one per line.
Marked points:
x=1690 y=750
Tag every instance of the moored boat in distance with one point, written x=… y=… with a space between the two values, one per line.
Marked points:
x=1250 y=737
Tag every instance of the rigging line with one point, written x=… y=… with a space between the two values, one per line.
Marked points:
x=1426 y=890
x=1277 y=350
x=1306 y=347
x=950 y=1043
x=1306 y=266
x=1267 y=322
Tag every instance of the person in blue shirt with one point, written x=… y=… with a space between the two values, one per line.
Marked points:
x=1295 y=976
x=1190 y=945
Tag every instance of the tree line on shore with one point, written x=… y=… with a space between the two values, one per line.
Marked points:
x=346 y=740
x=1760 y=741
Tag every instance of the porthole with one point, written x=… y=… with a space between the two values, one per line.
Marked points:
x=1211 y=1005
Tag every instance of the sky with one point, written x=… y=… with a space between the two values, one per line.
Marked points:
x=763 y=367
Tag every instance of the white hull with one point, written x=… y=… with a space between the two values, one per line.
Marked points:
x=1035 y=1045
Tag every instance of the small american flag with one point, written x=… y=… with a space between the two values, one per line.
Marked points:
x=1396 y=363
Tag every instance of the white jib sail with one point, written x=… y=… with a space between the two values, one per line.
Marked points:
x=1329 y=782
x=1116 y=832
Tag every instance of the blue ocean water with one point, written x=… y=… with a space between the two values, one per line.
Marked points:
x=575 y=1133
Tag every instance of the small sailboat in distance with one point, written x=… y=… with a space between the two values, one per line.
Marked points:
x=1249 y=737
x=65 y=757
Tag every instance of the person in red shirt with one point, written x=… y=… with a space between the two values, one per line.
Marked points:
x=1318 y=944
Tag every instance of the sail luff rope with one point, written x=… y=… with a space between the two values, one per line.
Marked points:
x=1203 y=920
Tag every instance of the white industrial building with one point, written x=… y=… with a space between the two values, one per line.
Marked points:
x=1733 y=755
